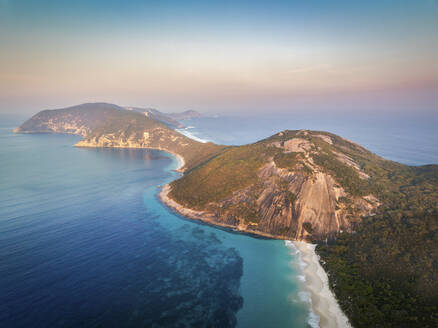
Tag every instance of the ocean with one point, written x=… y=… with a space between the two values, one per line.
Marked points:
x=84 y=241
x=410 y=139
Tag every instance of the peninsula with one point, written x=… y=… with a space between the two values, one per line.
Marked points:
x=109 y=125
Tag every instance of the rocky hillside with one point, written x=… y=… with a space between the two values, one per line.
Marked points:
x=80 y=120
x=158 y=116
x=295 y=185
x=188 y=114
x=108 y=125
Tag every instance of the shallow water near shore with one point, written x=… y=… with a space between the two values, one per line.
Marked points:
x=85 y=242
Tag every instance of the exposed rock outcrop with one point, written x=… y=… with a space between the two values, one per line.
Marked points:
x=291 y=196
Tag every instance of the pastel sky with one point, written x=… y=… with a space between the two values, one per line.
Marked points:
x=220 y=56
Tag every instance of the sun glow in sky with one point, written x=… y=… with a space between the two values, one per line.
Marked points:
x=220 y=56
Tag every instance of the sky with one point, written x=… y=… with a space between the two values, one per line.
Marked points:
x=221 y=56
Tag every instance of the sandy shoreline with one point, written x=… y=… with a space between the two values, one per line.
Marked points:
x=324 y=303
x=181 y=161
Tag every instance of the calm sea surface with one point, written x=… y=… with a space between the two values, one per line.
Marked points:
x=84 y=242
x=409 y=139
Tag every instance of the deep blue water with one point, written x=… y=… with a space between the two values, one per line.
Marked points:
x=84 y=242
x=406 y=138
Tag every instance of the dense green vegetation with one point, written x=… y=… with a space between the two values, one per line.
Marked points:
x=385 y=274
x=126 y=122
x=246 y=210
x=233 y=169
x=345 y=175
x=286 y=160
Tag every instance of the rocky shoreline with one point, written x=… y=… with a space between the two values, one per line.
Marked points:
x=206 y=217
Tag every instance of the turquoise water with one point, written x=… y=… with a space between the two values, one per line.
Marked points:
x=85 y=242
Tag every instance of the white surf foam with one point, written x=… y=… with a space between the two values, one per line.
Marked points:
x=190 y=135
x=328 y=306
x=304 y=295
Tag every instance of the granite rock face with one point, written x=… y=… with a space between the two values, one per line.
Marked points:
x=317 y=209
x=297 y=192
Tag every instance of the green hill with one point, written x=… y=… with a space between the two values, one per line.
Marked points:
x=164 y=118
x=295 y=185
x=375 y=221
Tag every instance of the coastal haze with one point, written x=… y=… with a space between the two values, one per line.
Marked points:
x=221 y=57
x=242 y=163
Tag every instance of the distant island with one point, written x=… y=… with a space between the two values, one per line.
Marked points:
x=375 y=221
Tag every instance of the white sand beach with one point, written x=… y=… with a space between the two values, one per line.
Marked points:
x=324 y=303
x=181 y=162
